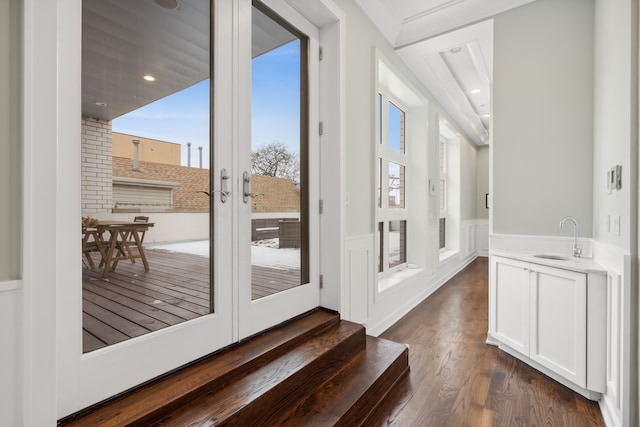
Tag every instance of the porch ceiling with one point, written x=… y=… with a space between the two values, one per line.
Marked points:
x=124 y=40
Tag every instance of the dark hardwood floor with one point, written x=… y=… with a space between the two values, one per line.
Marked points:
x=458 y=380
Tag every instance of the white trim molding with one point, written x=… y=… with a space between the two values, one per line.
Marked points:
x=617 y=402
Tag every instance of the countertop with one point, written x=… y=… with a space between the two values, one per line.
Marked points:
x=581 y=265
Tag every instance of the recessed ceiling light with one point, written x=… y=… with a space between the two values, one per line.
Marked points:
x=100 y=104
x=149 y=78
x=455 y=49
x=167 y=4
x=475 y=91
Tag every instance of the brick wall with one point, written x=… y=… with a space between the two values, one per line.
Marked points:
x=97 y=193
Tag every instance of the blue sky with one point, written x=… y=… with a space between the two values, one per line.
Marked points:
x=184 y=116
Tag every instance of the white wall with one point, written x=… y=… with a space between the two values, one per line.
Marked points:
x=616 y=143
x=10 y=169
x=542 y=118
x=468 y=180
x=360 y=300
x=614 y=123
x=482 y=174
x=10 y=214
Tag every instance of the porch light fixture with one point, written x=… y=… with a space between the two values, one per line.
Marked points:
x=149 y=78
x=100 y=104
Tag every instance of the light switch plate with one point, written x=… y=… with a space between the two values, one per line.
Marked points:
x=615 y=228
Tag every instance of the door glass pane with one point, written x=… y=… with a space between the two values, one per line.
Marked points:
x=10 y=135
x=396 y=128
x=396 y=185
x=145 y=167
x=279 y=227
x=379 y=180
x=379 y=117
x=397 y=243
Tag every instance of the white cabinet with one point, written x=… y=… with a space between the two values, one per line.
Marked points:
x=558 y=315
x=511 y=302
x=541 y=313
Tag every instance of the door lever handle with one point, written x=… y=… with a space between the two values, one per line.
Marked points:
x=224 y=185
x=246 y=187
x=224 y=191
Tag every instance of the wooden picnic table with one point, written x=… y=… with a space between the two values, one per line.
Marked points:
x=121 y=238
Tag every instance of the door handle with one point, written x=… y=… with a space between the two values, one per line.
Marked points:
x=246 y=188
x=224 y=187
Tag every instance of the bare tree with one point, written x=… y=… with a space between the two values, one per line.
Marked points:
x=274 y=159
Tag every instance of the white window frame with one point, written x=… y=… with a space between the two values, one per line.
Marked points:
x=384 y=213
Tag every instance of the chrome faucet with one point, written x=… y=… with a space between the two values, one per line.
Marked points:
x=577 y=249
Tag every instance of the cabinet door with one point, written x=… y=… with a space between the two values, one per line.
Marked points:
x=510 y=299
x=559 y=321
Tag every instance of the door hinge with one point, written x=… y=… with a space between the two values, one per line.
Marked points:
x=321 y=281
x=321 y=53
x=321 y=206
x=321 y=128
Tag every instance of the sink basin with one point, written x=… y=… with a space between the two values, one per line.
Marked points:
x=554 y=257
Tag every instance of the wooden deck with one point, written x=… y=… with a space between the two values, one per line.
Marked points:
x=131 y=302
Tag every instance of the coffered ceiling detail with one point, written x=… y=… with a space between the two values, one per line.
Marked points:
x=448 y=44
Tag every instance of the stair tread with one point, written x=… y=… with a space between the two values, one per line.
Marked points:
x=346 y=398
x=276 y=382
x=182 y=385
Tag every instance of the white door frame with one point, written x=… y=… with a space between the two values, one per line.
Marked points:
x=54 y=370
x=85 y=379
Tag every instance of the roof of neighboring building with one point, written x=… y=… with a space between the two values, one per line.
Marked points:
x=280 y=194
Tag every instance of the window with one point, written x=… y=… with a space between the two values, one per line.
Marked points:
x=449 y=190
x=443 y=194
x=391 y=164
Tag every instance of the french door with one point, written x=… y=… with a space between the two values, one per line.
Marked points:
x=263 y=244
x=277 y=174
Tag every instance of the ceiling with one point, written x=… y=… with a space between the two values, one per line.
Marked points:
x=448 y=44
x=124 y=40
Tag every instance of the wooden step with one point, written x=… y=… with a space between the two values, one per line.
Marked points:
x=350 y=396
x=159 y=398
x=316 y=370
x=264 y=393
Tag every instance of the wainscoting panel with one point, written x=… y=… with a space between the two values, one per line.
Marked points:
x=616 y=402
x=360 y=268
x=614 y=342
x=482 y=237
